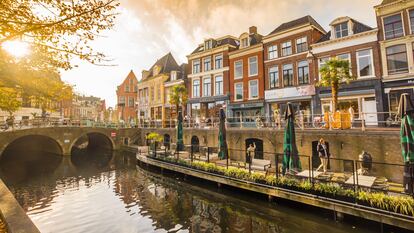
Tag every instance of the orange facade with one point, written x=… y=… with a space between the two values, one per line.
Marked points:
x=126 y=99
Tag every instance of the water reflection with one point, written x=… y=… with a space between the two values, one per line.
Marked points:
x=120 y=197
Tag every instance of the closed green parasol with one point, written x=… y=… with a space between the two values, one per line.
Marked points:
x=180 y=143
x=406 y=112
x=291 y=160
x=223 y=152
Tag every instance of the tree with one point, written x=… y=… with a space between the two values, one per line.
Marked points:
x=178 y=96
x=9 y=100
x=333 y=73
x=57 y=30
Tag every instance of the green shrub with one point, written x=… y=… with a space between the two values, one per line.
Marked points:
x=257 y=177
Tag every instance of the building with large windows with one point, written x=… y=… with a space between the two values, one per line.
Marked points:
x=357 y=43
x=247 y=77
x=289 y=73
x=126 y=96
x=395 y=19
x=208 y=78
x=152 y=90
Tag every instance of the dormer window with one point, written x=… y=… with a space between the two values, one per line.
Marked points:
x=208 y=44
x=173 y=75
x=156 y=70
x=341 y=30
x=245 y=42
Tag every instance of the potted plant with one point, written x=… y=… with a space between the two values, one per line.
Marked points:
x=154 y=139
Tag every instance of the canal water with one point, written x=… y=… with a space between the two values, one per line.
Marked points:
x=109 y=193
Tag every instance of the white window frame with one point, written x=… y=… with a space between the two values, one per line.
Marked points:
x=244 y=45
x=409 y=20
x=222 y=85
x=275 y=52
x=235 y=91
x=199 y=66
x=173 y=75
x=257 y=66
x=383 y=26
x=278 y=77
x=199 y=88
x=204 y=92
x=305 y=38
x=372 y=63
x=320 y=65
x=349 y=60
x=291 y=49
x=250 y=93
x=221 y=63
x=235 y=68
x=341 y=29
x=204 y=67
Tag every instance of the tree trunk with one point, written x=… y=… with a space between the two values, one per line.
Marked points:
x=334 y=87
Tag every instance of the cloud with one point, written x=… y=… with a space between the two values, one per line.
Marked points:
x=148 y=29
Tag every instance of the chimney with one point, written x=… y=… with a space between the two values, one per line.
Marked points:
x=252 y=30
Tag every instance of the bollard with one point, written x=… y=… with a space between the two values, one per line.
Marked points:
x=250 y=162
x=191 y=153
x=208 y=154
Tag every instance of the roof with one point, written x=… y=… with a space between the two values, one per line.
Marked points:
x=388 y=1
x=227 y=40
x=167 y=63
x=297 y=22
x=358 y=28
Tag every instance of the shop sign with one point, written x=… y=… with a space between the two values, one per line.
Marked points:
x=113 y=134
x=290 y=92
x=247 y=105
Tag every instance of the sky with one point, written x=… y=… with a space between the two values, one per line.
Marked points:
x=146 y=30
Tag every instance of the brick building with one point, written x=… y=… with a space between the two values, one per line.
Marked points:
x=395 y=20
x=357 y=43
x=126 y=95
x=208 y=77
x=289 y=73
x=247 y=77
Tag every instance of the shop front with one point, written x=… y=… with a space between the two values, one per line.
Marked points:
x=206 y=109
x=247 y=112
x=393 y=91
x=301 y=99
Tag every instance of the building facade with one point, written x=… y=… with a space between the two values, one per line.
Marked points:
x=208 y=77
x=177 y=77
x=357 y=43
x=152 y=90
x=126 y=99
x=395 y=20
x=289 y=73
x=246 y=84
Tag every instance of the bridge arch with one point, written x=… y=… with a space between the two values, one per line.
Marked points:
x=95 y=140
x=36 y=142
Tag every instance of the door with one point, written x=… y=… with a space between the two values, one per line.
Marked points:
x=370 y=112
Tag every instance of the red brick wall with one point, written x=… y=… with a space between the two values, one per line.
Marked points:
x=246 y=78
x=128 y=112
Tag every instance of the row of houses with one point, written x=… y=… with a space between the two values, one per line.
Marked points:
x=257 y=75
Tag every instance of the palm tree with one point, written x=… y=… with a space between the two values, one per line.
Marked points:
x=178 y=96
x=333 y=73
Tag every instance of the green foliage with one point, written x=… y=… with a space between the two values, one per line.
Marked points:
x=397 y=204
x=155 y=137
x=334 y=72
x=9 y=100
x=178 y=96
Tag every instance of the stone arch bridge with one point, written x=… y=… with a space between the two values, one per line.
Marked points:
x=64 y=138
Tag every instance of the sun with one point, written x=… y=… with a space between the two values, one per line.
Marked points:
x=16 y=48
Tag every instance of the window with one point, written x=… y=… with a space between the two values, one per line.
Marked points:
x=303 y=72
x=244 y=42
x=253 y=89
x=238 y=91
x=159 y=93
x=397 y=59
x=126 y=88
x=365 y=67
x=207 y=86
x=196 y=66
x=238 y=69
x=411 y=13
x=135 y=88
x=322 y=61
x=252 y=66
x=219 y=85
x=152 y=93
x=287 y=48
x=341 y=30
x=121 y=100
x=208 y=44
x=207 y=63
x=196 y=88
x=288 y=75
x=274 y=77
x=301 y=45
x=131 y=102
x=393 y=26
x=218 y=61
x=272 y=52
x=173 y=75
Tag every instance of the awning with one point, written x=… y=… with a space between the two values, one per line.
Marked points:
x=349 y=93
x=208 y=99
x=309 y=97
